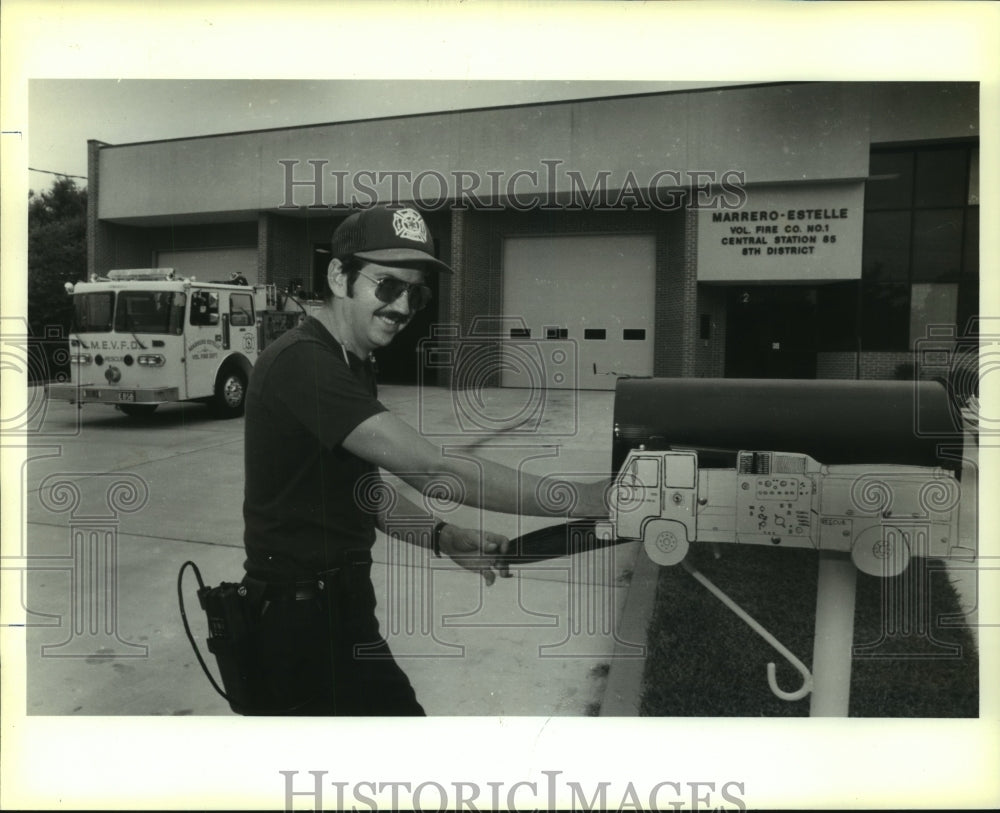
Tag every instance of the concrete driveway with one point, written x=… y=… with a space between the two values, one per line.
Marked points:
x=115 y=505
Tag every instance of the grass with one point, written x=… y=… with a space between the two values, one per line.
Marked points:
x=912 y=656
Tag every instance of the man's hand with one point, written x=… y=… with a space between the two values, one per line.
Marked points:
x=476 y=550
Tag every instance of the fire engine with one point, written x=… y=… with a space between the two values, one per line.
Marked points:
x=144 y=337
x=880 y=514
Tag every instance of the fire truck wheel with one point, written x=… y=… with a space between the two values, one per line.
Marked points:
x=665 y=541
x=230 y=393
x=138 y=410
x=881 y=550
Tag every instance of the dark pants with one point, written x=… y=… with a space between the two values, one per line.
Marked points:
x=325 y=656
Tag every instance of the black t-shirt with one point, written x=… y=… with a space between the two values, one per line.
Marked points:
x=305 y=495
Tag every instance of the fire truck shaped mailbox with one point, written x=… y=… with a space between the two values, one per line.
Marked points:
x=880 y=515
x=143 y=337
x=687 y=470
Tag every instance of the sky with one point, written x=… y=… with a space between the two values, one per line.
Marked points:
x=64 y=113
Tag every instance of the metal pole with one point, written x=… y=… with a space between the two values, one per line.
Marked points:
x=831 y=666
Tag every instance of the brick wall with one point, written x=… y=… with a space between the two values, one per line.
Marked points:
x=475 y=289
x=885 y=365
x=676 y=352
x=285 y=251
x=123 y=247
x=97 y=232
x=837 y=365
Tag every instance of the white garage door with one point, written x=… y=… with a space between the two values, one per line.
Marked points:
x=586 y=308
x=212 y=264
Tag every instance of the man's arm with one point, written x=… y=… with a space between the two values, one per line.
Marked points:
x=394 y=445
x=472 y=549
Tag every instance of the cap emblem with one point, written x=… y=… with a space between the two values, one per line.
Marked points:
x=409 y=225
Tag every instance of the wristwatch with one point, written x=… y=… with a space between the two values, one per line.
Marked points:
x=436 y=537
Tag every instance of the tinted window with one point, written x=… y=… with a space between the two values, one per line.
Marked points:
x=890 y=181
x=92 y=312
x=932 y=305
x=970 y=260
x=937 y=244
x=149 y=312
x=886 y=249
x=204 y=308
x=837 y=316
x=886 y=317
x=941 y=178
x=240 y=310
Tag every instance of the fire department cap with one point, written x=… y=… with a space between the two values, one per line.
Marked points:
x=388 y=237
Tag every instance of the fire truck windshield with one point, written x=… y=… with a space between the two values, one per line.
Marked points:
x=92 y=312
x=129 y=312
x=150 y=312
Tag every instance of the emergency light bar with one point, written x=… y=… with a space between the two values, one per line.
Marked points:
x=148 y=274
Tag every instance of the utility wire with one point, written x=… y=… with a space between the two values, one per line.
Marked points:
x=60 y=174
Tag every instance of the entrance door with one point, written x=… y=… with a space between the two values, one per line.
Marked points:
x=771 y=332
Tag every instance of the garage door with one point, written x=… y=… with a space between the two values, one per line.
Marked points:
x=213 y=264
x=579 y=310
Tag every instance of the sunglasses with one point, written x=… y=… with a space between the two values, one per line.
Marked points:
x=388 y=290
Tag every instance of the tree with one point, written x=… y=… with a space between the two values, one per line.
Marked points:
x=57 y=254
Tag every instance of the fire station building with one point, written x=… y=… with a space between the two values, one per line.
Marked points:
x=790 y=230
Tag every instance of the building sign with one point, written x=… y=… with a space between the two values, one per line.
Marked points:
x=806 y=233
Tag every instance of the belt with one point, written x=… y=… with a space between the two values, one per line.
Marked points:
x=309 y=589
x=293 y=591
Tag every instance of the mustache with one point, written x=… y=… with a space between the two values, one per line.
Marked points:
x=396 y=316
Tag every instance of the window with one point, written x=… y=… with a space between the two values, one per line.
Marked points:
x=890 y=184
x=937 y=244
x=920 y=254
x=644 y=471
x=941 y=177
x=680 y=471
x=204 y=308
x=886 y=254
x=705 y=326
x=92 y=312
x=970 y=255
x=240 y=310
x=885 y=310
x=837 y=316
x=932 y=305
x=149 y=312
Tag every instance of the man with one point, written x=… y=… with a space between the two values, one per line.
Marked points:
x=316 y=437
